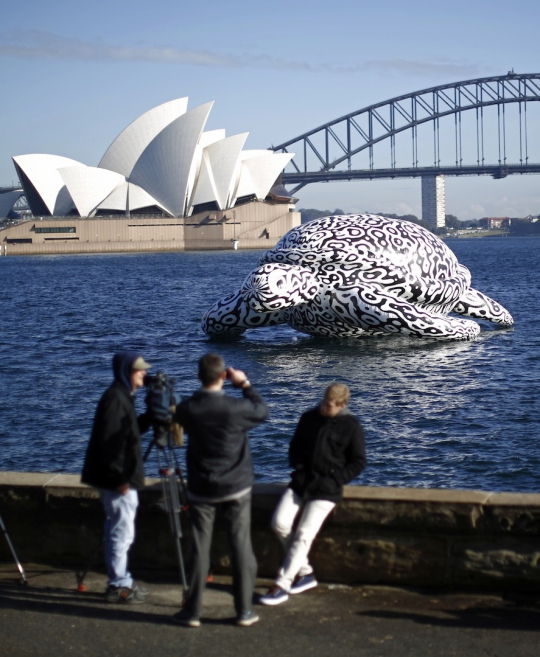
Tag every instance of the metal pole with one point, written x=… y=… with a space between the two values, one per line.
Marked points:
x=19 y=565
x=169 y=484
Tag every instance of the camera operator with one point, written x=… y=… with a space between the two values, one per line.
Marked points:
x=114 y=465
x=220 y=475
x=326 y=452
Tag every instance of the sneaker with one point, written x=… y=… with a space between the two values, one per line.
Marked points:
x=275 y=596
x=140 y=588
x=112 y=593
x=126 y=595
x=247 y=618
x=303 y=583
x=183 y=617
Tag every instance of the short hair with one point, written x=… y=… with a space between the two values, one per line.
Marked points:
x=211 y=367
x=338 y=392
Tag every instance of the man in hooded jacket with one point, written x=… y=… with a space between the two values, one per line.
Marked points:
x=114 y=465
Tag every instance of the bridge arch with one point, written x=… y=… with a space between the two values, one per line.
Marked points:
x=347 y=136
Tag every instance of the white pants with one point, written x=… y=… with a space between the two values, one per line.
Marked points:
x=297 y=542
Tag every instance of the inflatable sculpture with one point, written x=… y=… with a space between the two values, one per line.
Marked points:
x=355 y=275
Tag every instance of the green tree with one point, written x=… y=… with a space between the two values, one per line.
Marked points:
x=451 y=221
x=310 y=214
x=407 y=217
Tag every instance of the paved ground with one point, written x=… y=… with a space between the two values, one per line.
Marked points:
x=50 y=617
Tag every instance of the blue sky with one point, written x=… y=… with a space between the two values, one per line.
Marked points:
x=76 y=73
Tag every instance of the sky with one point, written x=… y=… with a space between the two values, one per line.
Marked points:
x=75 y=74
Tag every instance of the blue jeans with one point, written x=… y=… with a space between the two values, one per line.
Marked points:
x=119 y=533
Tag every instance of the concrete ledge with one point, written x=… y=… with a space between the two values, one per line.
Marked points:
x=402 y=536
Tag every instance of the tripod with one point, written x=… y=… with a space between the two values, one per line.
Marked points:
x=174 y=489
x=19 y=565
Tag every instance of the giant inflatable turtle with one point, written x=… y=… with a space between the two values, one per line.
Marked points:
x=354 y=275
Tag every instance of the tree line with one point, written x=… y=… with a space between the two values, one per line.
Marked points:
x=451 y=221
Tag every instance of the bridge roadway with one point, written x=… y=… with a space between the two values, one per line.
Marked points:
x=49 y=617
x=497 y=171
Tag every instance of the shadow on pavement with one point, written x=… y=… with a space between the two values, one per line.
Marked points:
x=489 y=618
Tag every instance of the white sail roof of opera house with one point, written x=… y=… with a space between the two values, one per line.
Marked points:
x=128 y=197
x=88 y=186
x=123 y=153
x=42 y=172
x=164 y=167
x=258 y=173
x=8 y=200
x=163 y=159
x=217 y=177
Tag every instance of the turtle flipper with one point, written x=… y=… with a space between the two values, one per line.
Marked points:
x=232 y=315
x=475 y=304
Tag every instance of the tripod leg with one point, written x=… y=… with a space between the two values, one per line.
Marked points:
x=10 y=544
x=169 y=486
x=81 y=586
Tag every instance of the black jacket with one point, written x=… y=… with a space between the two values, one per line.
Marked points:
x=326 y=453
x=114 y=454
x=218 y=459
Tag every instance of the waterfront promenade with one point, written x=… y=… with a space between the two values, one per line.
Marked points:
x=404 y=572
x=50 y=617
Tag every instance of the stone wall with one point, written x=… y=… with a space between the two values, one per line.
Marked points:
x=395 y=536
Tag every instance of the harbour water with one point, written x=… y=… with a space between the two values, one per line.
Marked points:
x=436 y=414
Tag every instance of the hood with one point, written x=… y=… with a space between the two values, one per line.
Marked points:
x=122 y=364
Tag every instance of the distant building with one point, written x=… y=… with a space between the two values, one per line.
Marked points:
x=433 y=201
x=495 y=223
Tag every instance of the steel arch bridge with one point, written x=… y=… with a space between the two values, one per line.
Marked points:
x=326 y=153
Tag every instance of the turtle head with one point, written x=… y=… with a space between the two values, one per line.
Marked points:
x=275 y=286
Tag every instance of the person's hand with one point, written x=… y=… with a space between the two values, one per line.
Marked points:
x=123 y=489
x=237 y=378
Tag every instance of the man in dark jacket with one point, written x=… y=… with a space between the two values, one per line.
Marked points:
x=114 y=465
x=220 y=475
x=326 y=452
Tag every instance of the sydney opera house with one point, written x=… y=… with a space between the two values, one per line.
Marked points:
x=164 y=183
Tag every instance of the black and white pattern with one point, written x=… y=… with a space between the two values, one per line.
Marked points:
x=345 y=276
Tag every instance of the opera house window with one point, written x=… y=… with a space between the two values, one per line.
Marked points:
x=56 y=229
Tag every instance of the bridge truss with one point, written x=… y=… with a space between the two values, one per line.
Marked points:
x=486 y=116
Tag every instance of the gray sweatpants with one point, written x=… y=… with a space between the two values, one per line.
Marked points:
x=237 y=514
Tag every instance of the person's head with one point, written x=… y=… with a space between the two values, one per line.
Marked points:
x=211 y=369
x=129 y=369
x=335 y=399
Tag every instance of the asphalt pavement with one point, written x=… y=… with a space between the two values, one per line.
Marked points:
x=49 y=616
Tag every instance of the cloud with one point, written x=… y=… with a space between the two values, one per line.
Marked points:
x=503 y=206
x=426 y=68
x=37 y=44
x=475 y=210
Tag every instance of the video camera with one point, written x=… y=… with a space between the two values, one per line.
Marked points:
x=161 y=401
